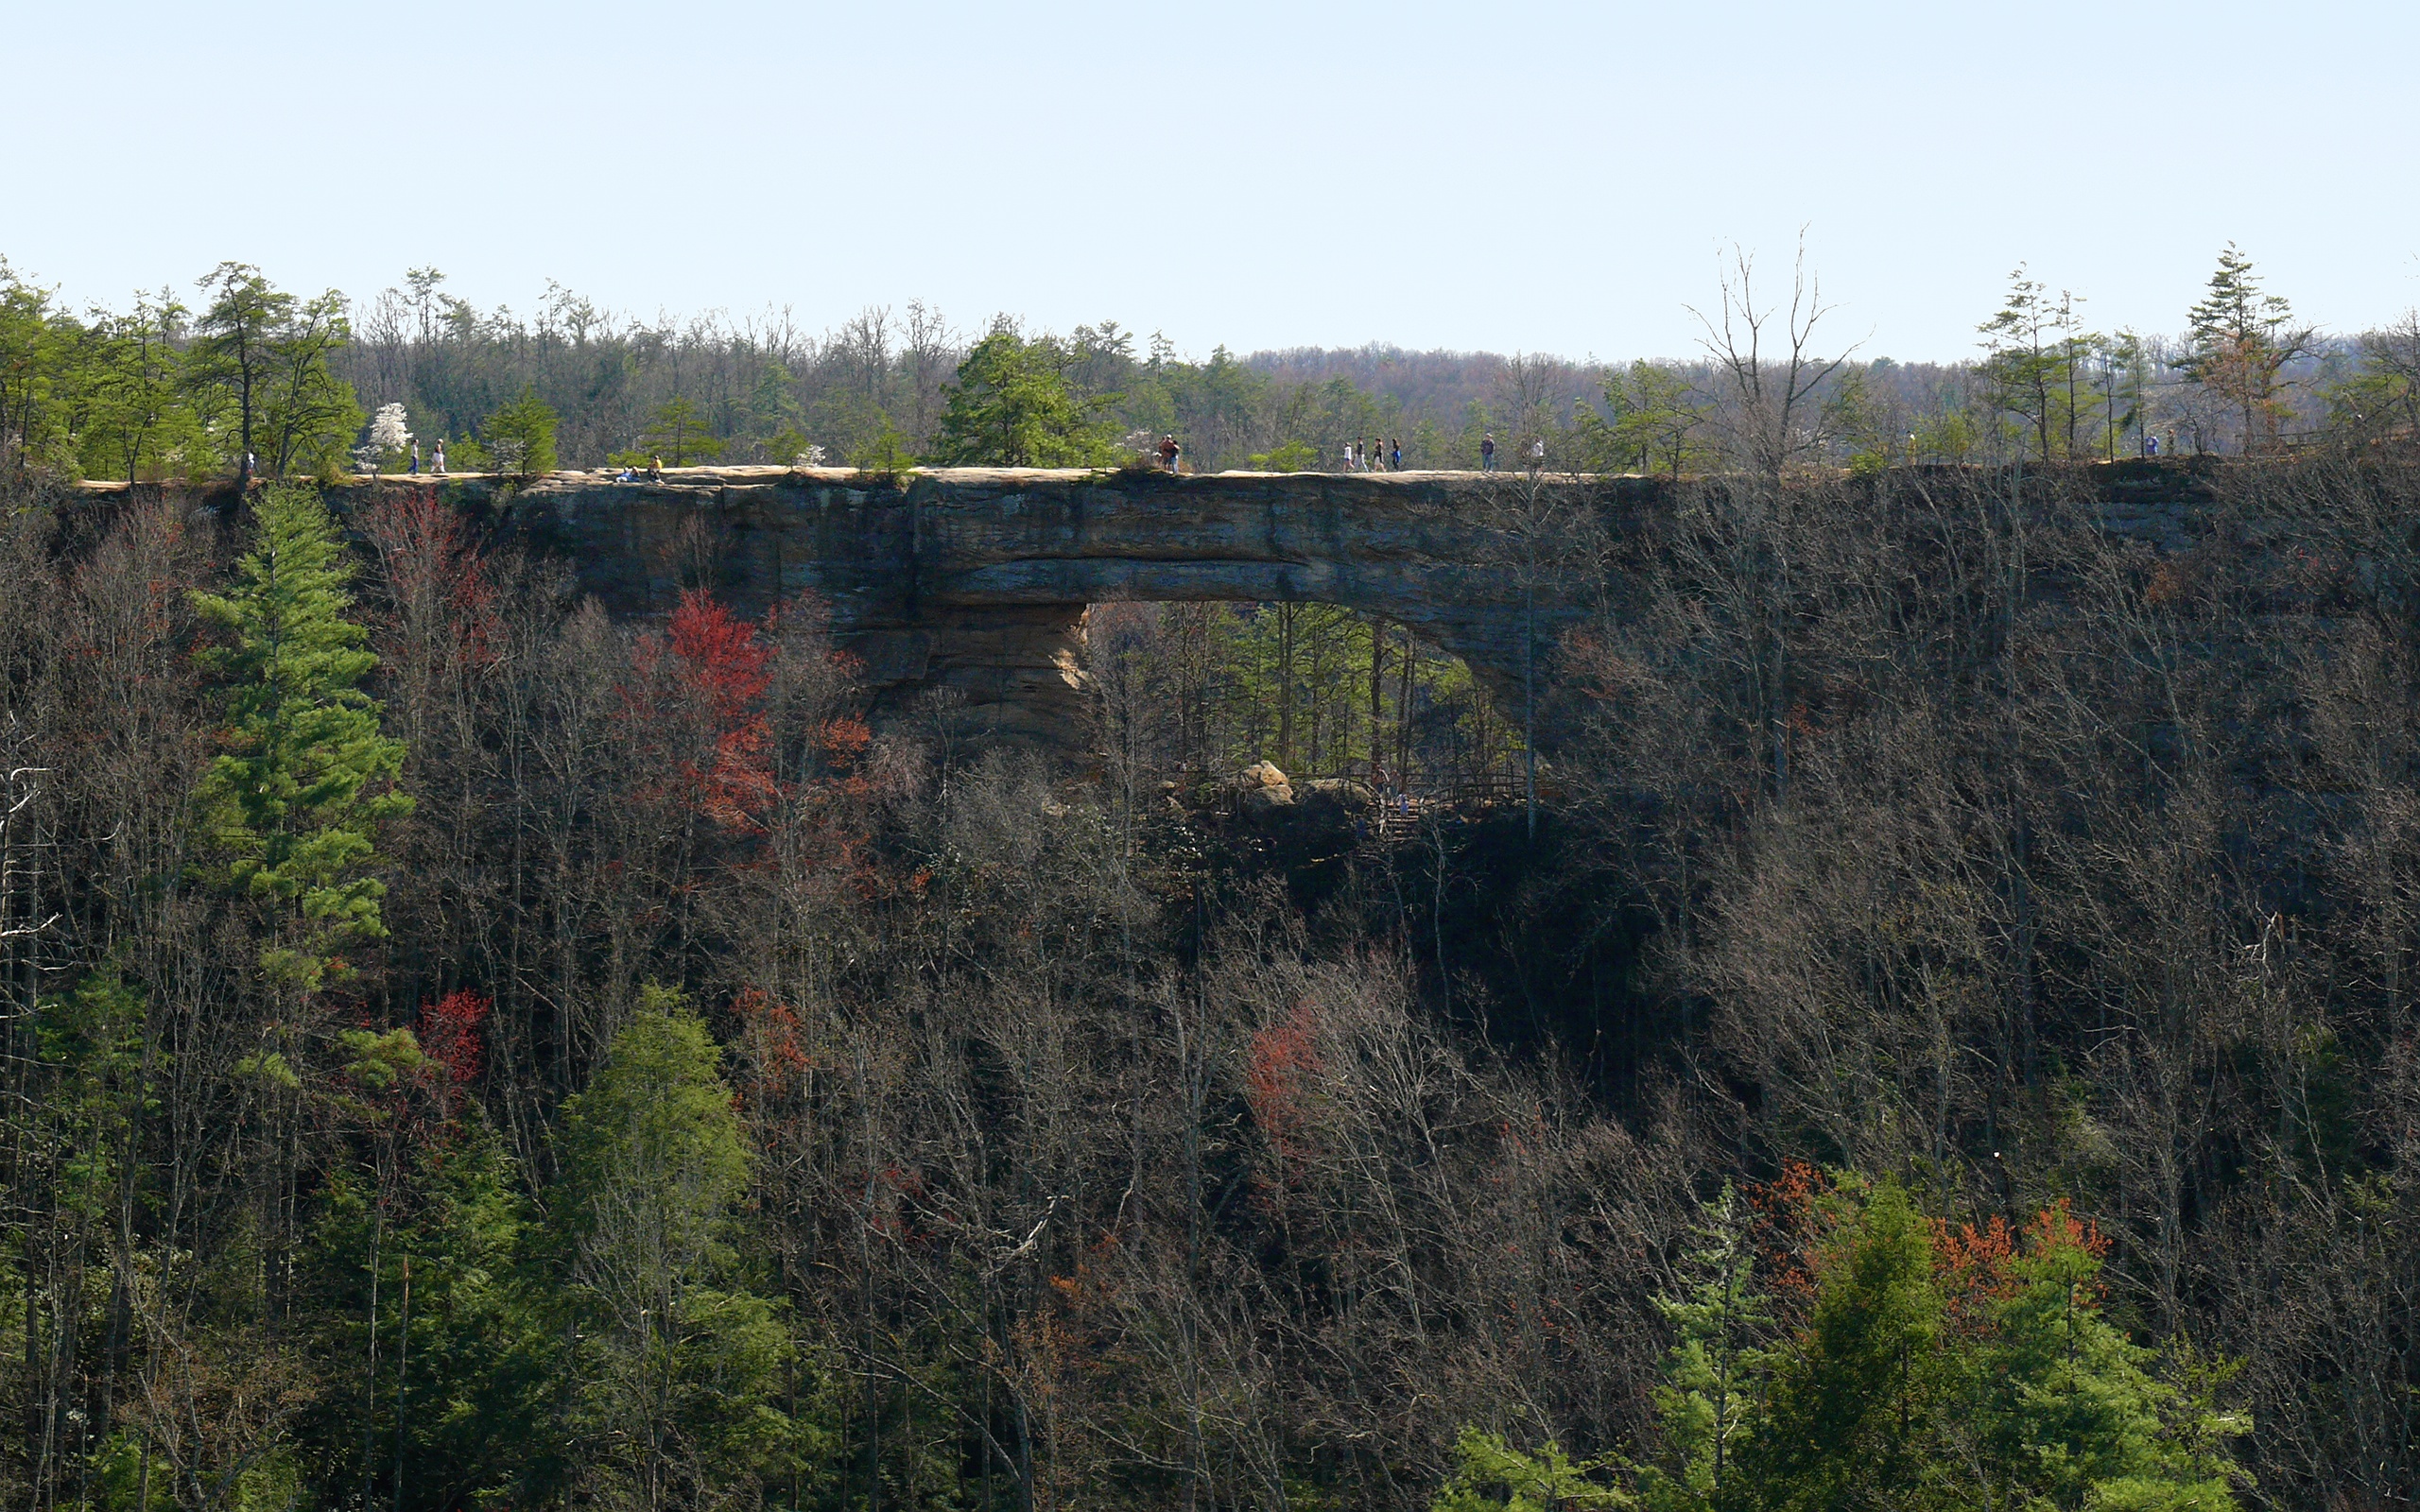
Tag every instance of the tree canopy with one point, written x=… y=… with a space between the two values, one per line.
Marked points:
x=1014 y=406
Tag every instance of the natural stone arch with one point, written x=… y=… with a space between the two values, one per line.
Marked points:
x=978 y=581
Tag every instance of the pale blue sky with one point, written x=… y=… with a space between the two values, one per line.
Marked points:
x=1537 y=176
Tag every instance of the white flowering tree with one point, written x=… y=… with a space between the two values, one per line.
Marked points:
x=389 y=437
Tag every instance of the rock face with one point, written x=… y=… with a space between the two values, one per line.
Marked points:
x=967 y=588
x=963 y=591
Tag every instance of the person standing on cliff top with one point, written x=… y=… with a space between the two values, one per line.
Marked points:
x=1487 y=453
x=1169 y=451
x=441 y=456
x=1395 y=455
x=415 y=458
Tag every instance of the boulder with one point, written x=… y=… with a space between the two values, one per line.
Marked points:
x=1261 y=788
x=1342 y=794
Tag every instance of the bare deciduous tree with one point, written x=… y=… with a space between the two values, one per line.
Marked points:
x=1768 y=365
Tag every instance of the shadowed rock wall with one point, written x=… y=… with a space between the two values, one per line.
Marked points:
x=975 y=582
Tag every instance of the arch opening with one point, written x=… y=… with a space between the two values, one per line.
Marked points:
x=1196 y=691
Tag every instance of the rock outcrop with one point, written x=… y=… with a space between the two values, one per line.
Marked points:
x=966 y=589
x=963 y=591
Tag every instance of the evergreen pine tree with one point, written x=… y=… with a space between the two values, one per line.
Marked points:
x=678 y=434
x=2242 y=338
x=680 y=1360
x=521 y=436
x=1936 y=1368
x=1710 y=1398
x=457 y=1392
x=1013 y=406
x=296 y=801
x=2064 y=1407
x=1490 y=1475
x=1851 y=1402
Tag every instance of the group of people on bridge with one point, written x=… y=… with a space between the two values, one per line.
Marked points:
x=1387 y=457
x=1487 y=453
x=1383 y=454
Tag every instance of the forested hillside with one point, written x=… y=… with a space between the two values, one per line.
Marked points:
x=1946 y=1040
x=467 y=1052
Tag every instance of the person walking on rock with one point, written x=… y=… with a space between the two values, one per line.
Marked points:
x=1395 y=455
x=1487 y=453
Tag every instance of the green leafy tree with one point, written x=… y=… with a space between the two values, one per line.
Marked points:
x=309 y=415
x=2063 y=1410
x=774 y=412
x=232 y=348
x=296 y=801
x=1946 y=434
x=1655 y=420
x=887 y=454
x=2383 y=397
x=267 y=353
x=139 y=420
x=852 y=425
x=1859 y=422
x=1014 y=406
x=1292 y=457
x=94 y=1048
x=2036 y=351
x=2242 y=337
x=35 y=341
x=786 y=447
x=521 y=436
x=2125 y=376
x=680 y=1362
x=679 y=434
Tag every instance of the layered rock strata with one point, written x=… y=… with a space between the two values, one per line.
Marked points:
x=963 y=591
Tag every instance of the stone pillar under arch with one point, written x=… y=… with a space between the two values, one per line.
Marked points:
x=1007 y=674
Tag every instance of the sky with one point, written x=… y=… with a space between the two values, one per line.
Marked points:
x=1521 y=175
